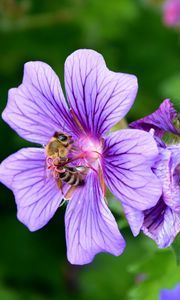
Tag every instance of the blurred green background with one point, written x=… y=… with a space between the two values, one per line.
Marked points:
x=132 y=38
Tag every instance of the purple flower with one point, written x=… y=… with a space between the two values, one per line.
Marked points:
x=161 y=222
x=162 y=120
x=42 y=177
x=170 y=294
x=171 y=10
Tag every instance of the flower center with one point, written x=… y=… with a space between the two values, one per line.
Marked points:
x=69 y=161
x=90 y=149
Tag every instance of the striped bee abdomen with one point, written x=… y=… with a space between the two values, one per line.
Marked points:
x=72 y=176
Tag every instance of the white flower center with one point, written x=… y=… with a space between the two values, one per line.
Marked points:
x=91 y=149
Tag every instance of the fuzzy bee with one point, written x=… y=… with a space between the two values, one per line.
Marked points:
x=57 y=150
x=59 y=146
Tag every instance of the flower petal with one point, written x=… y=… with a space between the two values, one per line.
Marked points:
x=99 y=98
x=90 y=226
x=37 y=108
x=127 y=160
x=135 y=218
x=173 y=294
x=171 y=13
x=161 y=120
x=174 y=202
x=36 y=192
x=165 y=169
x=161 y=224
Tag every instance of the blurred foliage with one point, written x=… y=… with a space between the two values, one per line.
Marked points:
x=159 y=271
x=113 y=278
x=131 y=36
x=176 y=248
x=170 y=88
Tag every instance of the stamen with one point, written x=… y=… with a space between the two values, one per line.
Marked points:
x=101 y=179
x=69 y=160
x=91 y=167
x=76 y=120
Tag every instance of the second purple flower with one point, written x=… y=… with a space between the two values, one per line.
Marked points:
x=162 y=222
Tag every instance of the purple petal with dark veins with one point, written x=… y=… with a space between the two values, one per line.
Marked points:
x=161 y=120
x=37 y=108
x=173 y=294
x=127 y=160
x=161 y=224
x=135 y=218
x=99 y=98
x=166 y=169
x=174 y=200
x=90 y=226
x=36 y=192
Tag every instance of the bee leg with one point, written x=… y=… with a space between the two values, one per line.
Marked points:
x=69 y=193
x=60 y=185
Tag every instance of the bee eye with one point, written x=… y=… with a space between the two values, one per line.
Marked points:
x=62 y=138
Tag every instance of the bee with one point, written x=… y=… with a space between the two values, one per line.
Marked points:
x=57 y=150
x=59 y=146
x=74 y=176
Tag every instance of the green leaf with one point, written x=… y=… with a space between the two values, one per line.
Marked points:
x=158 y=272
x=109 y=277
x=7 y=294
x=176 y=248
x=170 y=138
x=120 y=125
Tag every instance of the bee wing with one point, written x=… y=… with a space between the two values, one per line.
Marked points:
x=81 y=169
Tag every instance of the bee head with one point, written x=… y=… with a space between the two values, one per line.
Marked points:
x=63 y=138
